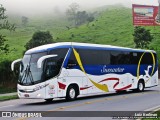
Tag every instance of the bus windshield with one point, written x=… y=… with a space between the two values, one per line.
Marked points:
x=29 y=73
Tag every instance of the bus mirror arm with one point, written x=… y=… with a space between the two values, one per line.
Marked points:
x=41 y=59
x=14 y=62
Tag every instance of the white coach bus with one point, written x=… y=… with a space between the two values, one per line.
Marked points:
x=70 y=69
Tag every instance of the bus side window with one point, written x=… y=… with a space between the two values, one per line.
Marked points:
x=147 y=59
x=94 y=57
x=107 y=56
x=51 y=68
x=120 y=58
x=115 y=57
x=126 y=58
x=134 y=58
x=53 y=65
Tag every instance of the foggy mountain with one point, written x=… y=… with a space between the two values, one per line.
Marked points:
x=40 y=7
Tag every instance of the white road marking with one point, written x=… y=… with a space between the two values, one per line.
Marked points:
x=153 y=108
x=6 y=106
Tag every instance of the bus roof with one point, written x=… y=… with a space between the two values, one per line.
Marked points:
x=49 y=47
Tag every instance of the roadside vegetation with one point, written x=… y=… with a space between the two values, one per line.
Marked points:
x=110 y=25
x=4 y=90
x=3 y=98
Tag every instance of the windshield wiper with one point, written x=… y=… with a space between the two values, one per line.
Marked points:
x=27 y=73
x=24 y=75
x=31 y=77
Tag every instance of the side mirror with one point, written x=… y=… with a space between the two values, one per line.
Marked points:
x=14 y=62
x=41 y=59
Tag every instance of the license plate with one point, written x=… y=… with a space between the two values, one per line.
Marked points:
x=26 y=95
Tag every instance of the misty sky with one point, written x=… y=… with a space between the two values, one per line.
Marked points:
x=32 y=7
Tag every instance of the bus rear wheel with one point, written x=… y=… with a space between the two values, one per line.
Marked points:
x=71 y=93
x=140 y=86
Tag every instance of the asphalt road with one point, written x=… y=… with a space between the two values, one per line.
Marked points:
x=129 y=101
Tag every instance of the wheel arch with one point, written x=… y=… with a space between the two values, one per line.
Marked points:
x=74 y=85
x=142 y=80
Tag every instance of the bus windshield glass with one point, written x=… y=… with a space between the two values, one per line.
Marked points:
x=29 y=73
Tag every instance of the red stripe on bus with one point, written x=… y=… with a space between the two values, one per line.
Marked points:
x=108 y=79
x=124 y=88
x=83 y=88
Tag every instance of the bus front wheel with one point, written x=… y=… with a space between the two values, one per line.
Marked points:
x=71 y=93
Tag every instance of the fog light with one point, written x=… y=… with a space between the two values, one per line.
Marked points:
x=38 y=95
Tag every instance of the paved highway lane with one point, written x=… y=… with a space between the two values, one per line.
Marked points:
x=129 y=101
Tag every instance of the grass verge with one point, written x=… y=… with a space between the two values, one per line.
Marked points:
x=3 y=98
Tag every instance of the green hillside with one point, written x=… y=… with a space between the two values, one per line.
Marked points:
x=113 y=26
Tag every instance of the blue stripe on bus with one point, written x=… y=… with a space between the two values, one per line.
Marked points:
x=115 y=69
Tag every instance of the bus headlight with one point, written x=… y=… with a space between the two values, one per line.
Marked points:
x=19 y=94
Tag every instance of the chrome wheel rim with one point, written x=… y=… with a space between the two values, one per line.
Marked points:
x=140 y=86
x=72 y=93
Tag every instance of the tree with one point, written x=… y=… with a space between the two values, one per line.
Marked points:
x=24 y=20
x=39 y=38
x=4 y=24
x=81 y=17
x=90 y=19
x=142 y=37
x=72 y=11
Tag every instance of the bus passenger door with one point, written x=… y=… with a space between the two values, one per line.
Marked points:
x=85 y=87
x=124 y=82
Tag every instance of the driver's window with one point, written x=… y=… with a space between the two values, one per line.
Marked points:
x=51 y=69
x=53 y=65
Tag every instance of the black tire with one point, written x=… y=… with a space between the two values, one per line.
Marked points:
x=71 y=93
x=140 y=86
x=49 y=100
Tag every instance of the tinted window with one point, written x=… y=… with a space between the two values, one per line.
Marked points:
x=72 y=62
x=147 y=59
x=106 y=57
x=53 y=65
x=90 y=57
x=94 y=57
x=119 y=57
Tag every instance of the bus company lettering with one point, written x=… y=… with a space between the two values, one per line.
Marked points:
x=112 y=70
